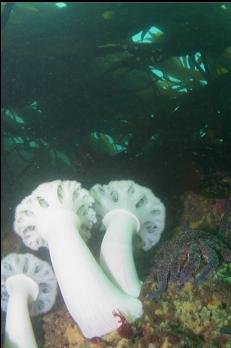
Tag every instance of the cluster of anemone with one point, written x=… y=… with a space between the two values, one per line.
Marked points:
x=59 y=215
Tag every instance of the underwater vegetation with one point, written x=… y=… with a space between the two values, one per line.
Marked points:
x=143 y=86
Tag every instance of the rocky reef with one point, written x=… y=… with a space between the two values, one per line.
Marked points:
x=191 y=317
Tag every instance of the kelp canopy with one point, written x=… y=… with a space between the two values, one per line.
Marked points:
x=103 y=91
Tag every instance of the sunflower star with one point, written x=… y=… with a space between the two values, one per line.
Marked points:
x=180 y=258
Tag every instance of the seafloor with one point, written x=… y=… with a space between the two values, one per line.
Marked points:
x=186 y=317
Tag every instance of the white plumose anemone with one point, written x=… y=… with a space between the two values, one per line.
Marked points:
x=126 y=209
x=28 y=287
x=58 y=214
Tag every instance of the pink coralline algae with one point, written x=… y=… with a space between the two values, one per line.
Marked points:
x=221 y=205
x=125 y=329
x=180 y=258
